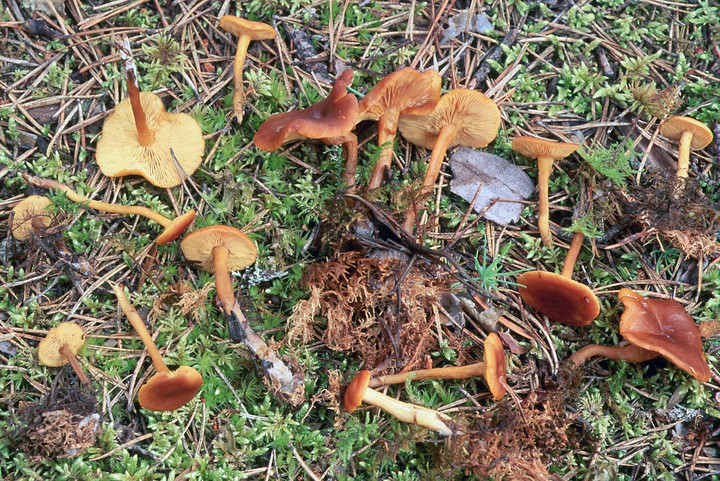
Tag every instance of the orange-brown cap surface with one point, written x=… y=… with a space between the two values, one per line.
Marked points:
x=663 y=326
x=167 y=391
x=198 y=246
x=475 y=117
x=674 y=127
x=533 y=148
x=240 y=27
x=119 y=151
x=176 y=228
x=559 y=298
x=332 y=117
x=406 y=90
x=495 y=370
x=65 y=333
x=28 y=214
x=356 y=390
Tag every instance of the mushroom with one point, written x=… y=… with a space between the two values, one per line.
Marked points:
x=31 y=215
x=545 y=151
x=557 y=295
x=173 y=228
x=403 y=92
x=137 y=138
x=330 y=120
x=493 y=368
x=167 y=390
x=61 y=345
x=220 y=249
x=654 y=327
x=691 y=134
x=358 y=391
x=461 y=117
x=245 y=31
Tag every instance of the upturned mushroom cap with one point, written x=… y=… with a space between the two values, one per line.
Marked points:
x=65 y=333
x=495 y=370
x=533 y=148
x=33 y=209
x=176 y=228
x=559 y=298
x=663 y=326
x=674 y=127
x=406 y=90
x=332 y=117
x=167 y=391
x=240 y=27
x=356 y=390
x=119 y=151
x=198 y=246
x=476 y=118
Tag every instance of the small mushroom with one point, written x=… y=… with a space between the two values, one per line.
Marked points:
x=61 y=346
x=173 y=228
x=31 y=215
x=138 y=136
x=557 y=295
x=358 y=391
x=167 y=390
x=691 y=134
x=461 y=117
x=220 y=249
x=403 y=92
x=245 y=31
x=546 y=152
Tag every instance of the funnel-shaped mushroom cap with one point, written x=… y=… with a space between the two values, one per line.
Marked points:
x=559 y=298
x=495 y=370
x=475 y=117
x=167 y=391
x=28 y=214
x=332 y=117
x=119 y=151
x=65 y=333
x=674 y=127
x=198 y=247
x=533 y=148
x=356 y=390
x=406 y=90
x=663 y=326
x=240 y=27
x=176 y=228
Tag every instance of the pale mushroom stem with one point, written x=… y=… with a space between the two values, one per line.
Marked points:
x=572 y=255
x=545 y=164
x=238 y=64
x=145 y=135
x=409 y=413
x=387 y=129
x=453 y=372
x=139 y=326
x=445 y=138
x=223 y=283
x=683 y=163
x=628 y=353
x=74 y=363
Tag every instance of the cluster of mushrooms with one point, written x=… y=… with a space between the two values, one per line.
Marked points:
x=141 y=138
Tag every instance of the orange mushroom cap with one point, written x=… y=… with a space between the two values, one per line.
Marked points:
x=559 y=298
x=240 y=27
x=198 y=247
x=674 y=127
x=663 y=326
x=170 y=390
x=495 y=370
x=406 y=91
x=533 y=148
x=64 y=333
x=356 y=390
x=29 y=214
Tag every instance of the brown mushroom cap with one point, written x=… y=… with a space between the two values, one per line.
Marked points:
x=33 y=209
x=559 y=298
x=332 y=117
x=170 y=390
x=533 y=148
x=356 y=390
x=663 y=326
x=65 y=333
x=198 y=246
x=240 y=27
x=674 y=127
x=476 y=118
x=119 y=151
x=406 y=90
x=495 y=370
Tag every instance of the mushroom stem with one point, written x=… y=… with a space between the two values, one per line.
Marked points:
x=544 y=168
x=628 y=353
x=65 y=351
x=145 y=135
x=139 y=326
x=223 y=283
x=683 y=163
x=238 y=64
x=387 y=128
x=409 y=413
x=453 y=372
x=572 y=254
